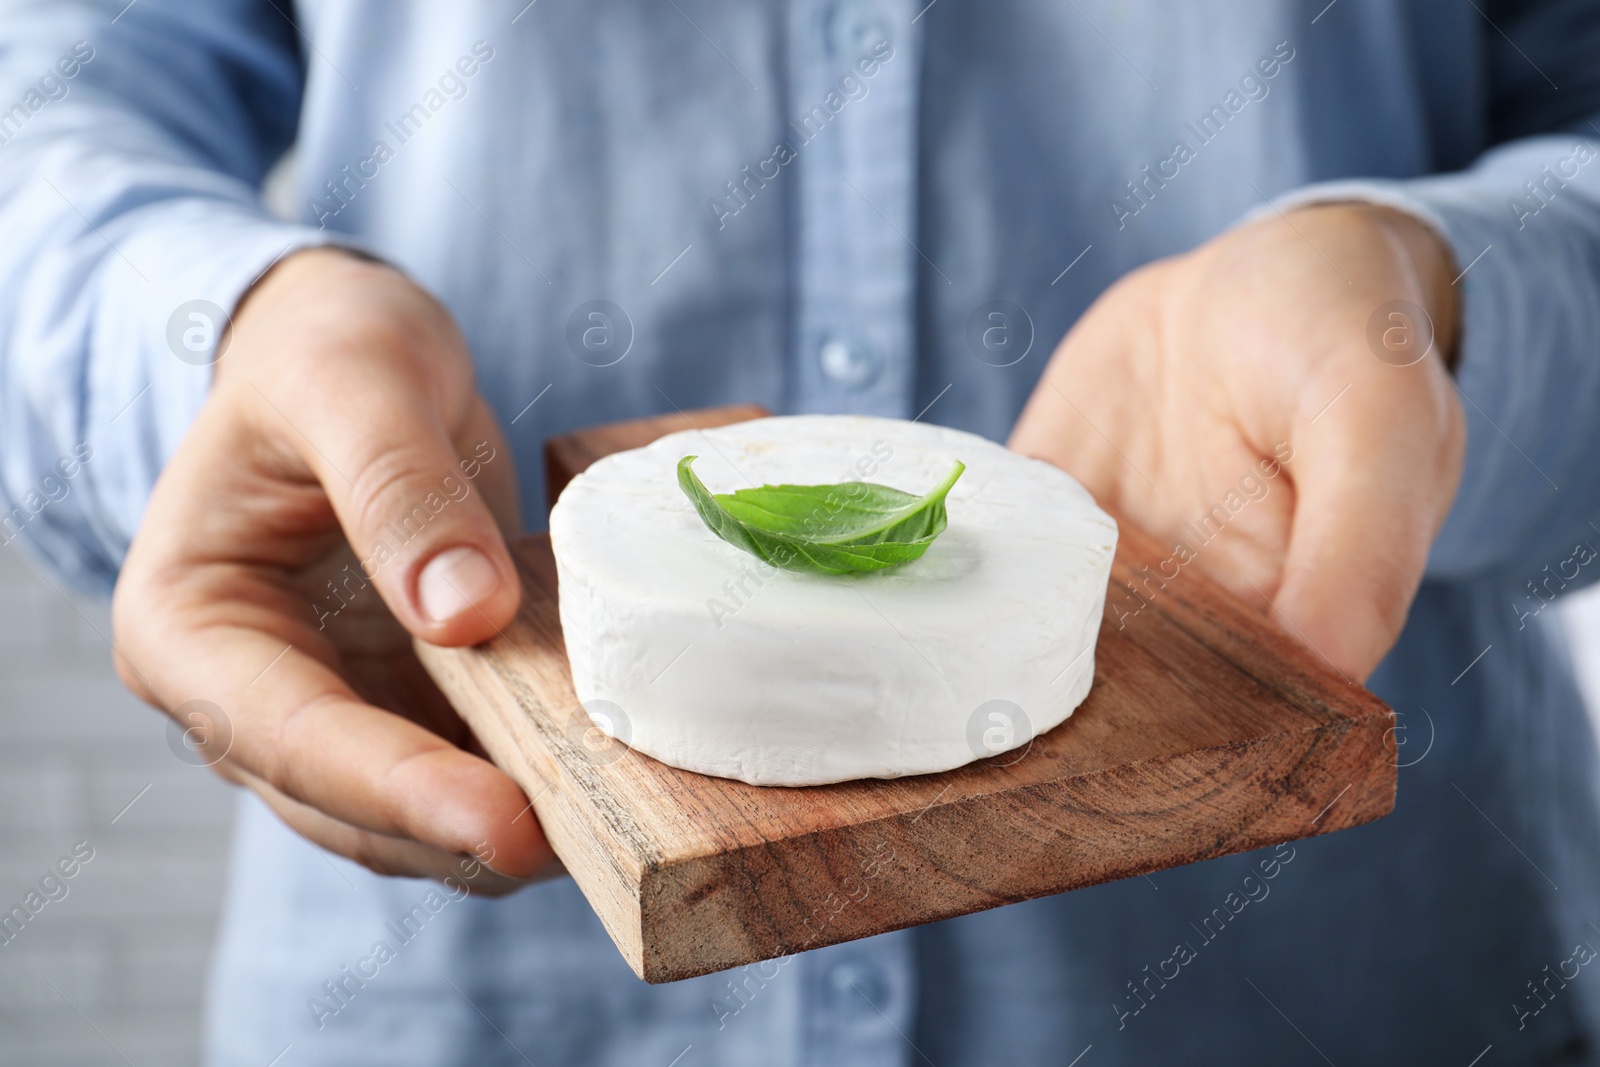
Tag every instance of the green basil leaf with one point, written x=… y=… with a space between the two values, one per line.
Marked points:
x=823 y=529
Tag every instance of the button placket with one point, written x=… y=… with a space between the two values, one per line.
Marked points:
x=852 y=119
x=860 y=1003
x=856 y=987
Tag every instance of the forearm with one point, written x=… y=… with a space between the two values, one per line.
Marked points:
x=126 y=217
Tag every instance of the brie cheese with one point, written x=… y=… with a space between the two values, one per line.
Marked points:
x=708 y=659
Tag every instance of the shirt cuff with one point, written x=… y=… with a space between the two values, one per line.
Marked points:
x=196 y=268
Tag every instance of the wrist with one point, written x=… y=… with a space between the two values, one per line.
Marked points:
x=1426 y=259
x=306 y=267
x=319 y=284
x=1436 y=271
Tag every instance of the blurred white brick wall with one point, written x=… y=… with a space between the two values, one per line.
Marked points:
x=127 y=947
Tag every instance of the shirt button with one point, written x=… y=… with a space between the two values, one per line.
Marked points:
x=855 y=29
x=853 y=365
x=856 y=988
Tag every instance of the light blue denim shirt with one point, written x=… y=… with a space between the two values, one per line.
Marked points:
x=822 y=205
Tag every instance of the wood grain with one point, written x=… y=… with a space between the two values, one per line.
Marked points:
x=1208 y=732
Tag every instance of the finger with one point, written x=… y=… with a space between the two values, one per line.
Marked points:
x=1372 y=487
x=399 y=449
x=296 y=723
x=425 y=537
x=315 y=740
x=379 y=853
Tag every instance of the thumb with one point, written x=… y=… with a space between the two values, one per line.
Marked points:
x=411 y=498
x=1371 y=492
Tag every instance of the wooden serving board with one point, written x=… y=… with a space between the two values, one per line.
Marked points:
x=1208 y=732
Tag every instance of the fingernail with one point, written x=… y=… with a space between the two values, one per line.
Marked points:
x=454 y=581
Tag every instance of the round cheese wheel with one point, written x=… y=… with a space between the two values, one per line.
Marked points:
x=706 y=658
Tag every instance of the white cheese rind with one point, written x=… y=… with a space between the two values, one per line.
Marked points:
x=721 y=664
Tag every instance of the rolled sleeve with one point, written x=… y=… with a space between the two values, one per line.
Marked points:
x=130 y=227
